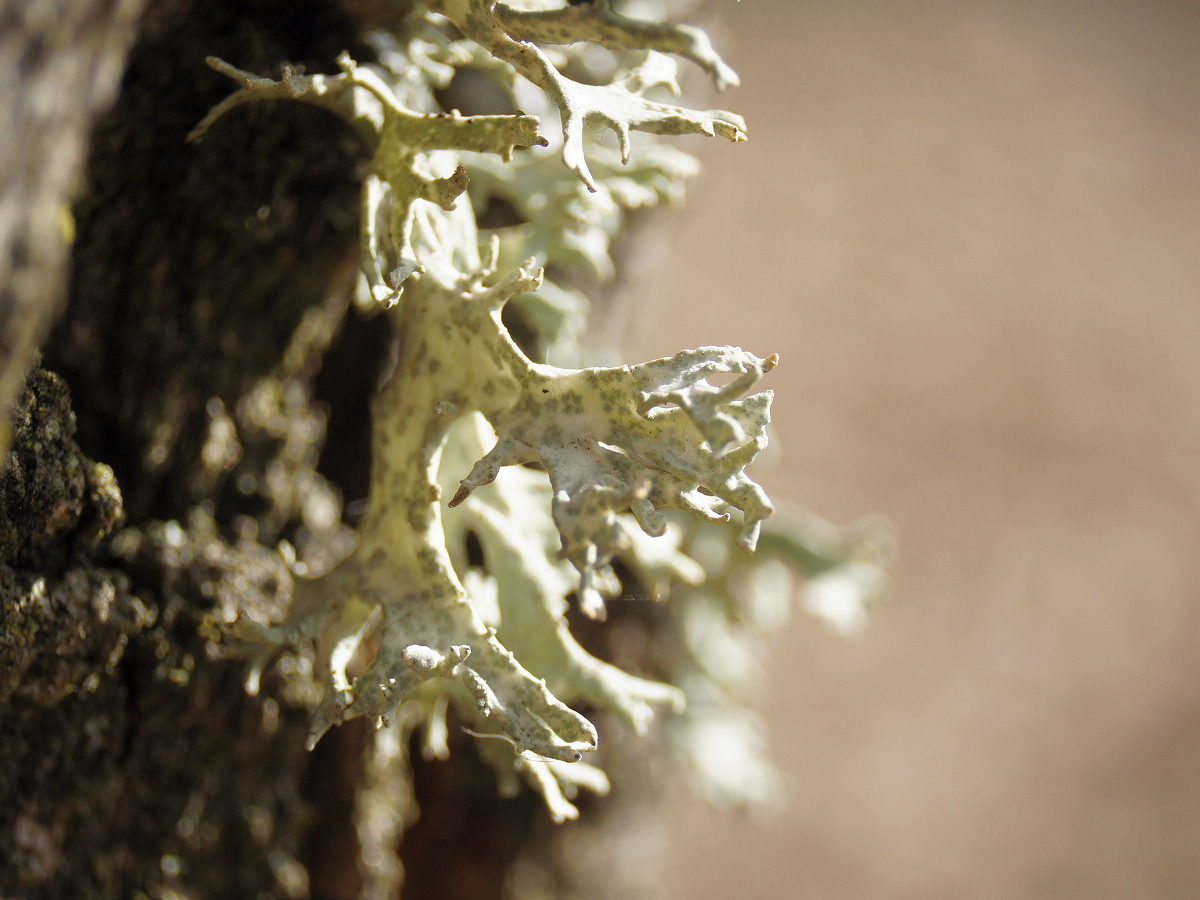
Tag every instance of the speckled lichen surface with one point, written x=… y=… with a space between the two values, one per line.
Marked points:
x=612 y=441
x=617 y=444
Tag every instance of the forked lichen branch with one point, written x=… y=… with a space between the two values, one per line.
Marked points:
x=513 y=36
x=617 y=444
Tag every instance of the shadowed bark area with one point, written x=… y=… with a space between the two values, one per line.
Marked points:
x=132 y=760
x=59 y=65
x=194 y=263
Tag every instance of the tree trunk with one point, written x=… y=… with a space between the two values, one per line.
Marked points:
x=133 y=762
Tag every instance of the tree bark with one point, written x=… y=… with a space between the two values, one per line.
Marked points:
x=133 y=762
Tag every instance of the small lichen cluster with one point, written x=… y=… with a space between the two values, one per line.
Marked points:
x=555 y=473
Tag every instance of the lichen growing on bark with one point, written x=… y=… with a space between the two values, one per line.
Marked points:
x=625 y=439
x=462 y=594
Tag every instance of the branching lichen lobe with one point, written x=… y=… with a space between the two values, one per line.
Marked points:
x=612 y=440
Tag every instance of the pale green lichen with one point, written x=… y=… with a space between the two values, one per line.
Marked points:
x=407 y=620
x=511 y=519
x=404 y=162
x=634 y=438
x=569 y=226
x=513 y=35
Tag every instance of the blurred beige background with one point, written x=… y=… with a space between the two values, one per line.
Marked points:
x=972 y=232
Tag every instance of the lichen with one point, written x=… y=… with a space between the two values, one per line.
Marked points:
x=513 y=35
x=409 y=622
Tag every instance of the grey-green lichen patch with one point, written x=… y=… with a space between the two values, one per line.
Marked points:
x=396 y=615
x=406 y=617
x=597 y=21
x=559 y=783
x=636 y=438
x=399 y=588
x=511 y=519
x=568 y=225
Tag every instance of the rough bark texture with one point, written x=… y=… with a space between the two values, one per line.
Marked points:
x=132 y=760
x=60 y=61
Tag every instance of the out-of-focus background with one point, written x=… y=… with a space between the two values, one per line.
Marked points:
x=972 y=232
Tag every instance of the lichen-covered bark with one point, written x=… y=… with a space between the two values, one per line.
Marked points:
x=165 y=478
x=65 y=620
x=132 y=760
x=128 y=759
